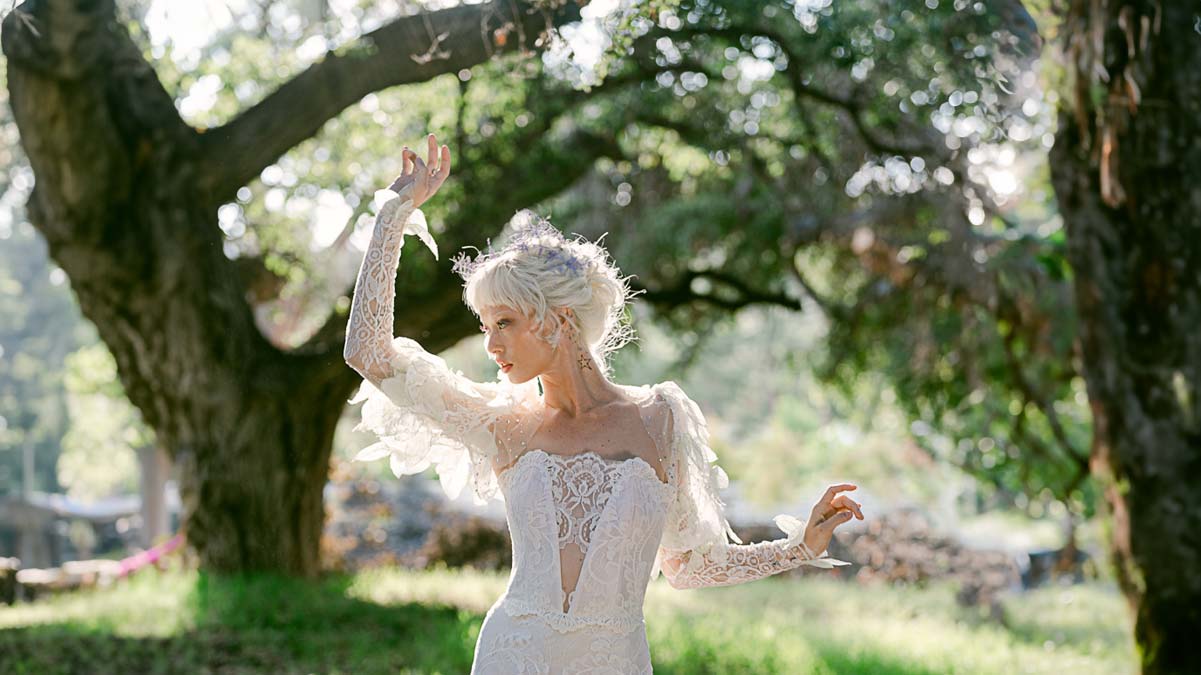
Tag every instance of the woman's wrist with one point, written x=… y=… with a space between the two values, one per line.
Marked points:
x=801 y=551
x=398 y=215
x=406 y=192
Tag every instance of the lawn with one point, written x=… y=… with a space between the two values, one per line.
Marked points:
x=399 y=621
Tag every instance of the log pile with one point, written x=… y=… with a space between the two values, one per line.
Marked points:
x=903 y=548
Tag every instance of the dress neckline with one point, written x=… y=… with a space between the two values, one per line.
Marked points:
x=612 y=461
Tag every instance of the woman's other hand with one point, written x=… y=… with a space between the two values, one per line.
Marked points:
x=425 y=177
x=831 y=510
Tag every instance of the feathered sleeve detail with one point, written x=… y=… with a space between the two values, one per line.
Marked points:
x=427 y=414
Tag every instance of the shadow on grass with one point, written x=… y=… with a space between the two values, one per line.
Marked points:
x=259 y=624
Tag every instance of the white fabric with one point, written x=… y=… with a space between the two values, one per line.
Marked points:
x=428 y=415
x=589 y=532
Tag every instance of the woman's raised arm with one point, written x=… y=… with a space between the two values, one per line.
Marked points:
x=368 y=346
x=424 y=412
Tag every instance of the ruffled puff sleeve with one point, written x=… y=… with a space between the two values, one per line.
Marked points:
x=426 y=414
x=699 y=548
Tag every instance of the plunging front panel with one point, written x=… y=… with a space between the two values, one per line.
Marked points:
x=581 y=486
x=603 y=518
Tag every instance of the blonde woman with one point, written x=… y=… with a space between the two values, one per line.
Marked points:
x=605 y=485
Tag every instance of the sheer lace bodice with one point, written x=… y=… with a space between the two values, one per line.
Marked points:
x=589 y=532
x=581 y=486
x=585 y=531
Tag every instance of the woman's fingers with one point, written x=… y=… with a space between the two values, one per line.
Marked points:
x=834 y=521
x=428 y=174
x=421 y=175
x=440 y=168
x=444 y=163
x=845 y=502
x=835 y=489
x=826 y=505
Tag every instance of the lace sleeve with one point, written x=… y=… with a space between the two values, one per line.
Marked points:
x=368 y=346
x=696 y=548
x=424 y=413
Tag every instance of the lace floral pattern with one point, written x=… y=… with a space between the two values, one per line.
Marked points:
x=732 y=564
x=512 y=652
x=581 y=486
x=533 y=588
x=617 y=556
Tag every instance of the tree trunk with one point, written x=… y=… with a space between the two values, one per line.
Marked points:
x=1126 y=167
x=126 y=198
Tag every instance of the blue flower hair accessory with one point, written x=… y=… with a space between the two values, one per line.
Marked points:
x=528 y=233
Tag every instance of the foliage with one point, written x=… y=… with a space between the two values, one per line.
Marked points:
x=41 y=326
x=863 y=159
x=99 y=450
x=835 y=157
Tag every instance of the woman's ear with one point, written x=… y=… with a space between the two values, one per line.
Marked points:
x=565 y=320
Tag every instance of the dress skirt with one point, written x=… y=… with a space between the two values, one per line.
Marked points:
x=528 y=645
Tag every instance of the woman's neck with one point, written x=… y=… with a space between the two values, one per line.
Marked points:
x=574 y=385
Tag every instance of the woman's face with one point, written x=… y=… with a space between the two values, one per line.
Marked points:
x=511 y=339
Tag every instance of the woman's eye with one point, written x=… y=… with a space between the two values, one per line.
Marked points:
x=502 y=323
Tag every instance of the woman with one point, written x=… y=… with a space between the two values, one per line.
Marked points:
x=605 y=485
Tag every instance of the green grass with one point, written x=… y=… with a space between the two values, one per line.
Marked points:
x=397 y=621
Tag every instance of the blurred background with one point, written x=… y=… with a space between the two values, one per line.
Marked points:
x=860 y=231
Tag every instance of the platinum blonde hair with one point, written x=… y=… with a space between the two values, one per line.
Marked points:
x=539 y=270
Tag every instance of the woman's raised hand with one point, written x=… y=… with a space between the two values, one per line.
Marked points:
x=425 y=177
x=830 y=511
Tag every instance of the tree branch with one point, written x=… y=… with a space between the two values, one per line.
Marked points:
x=411 y=49
x=682 y=293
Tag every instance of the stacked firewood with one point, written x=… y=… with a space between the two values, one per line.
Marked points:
x=904 y=548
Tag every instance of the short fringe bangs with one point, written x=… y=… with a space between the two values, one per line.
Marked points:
x=500 y=284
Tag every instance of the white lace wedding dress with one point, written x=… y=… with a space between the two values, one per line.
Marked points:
x=589 y=532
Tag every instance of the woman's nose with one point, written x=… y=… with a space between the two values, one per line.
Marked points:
x=491 y=345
